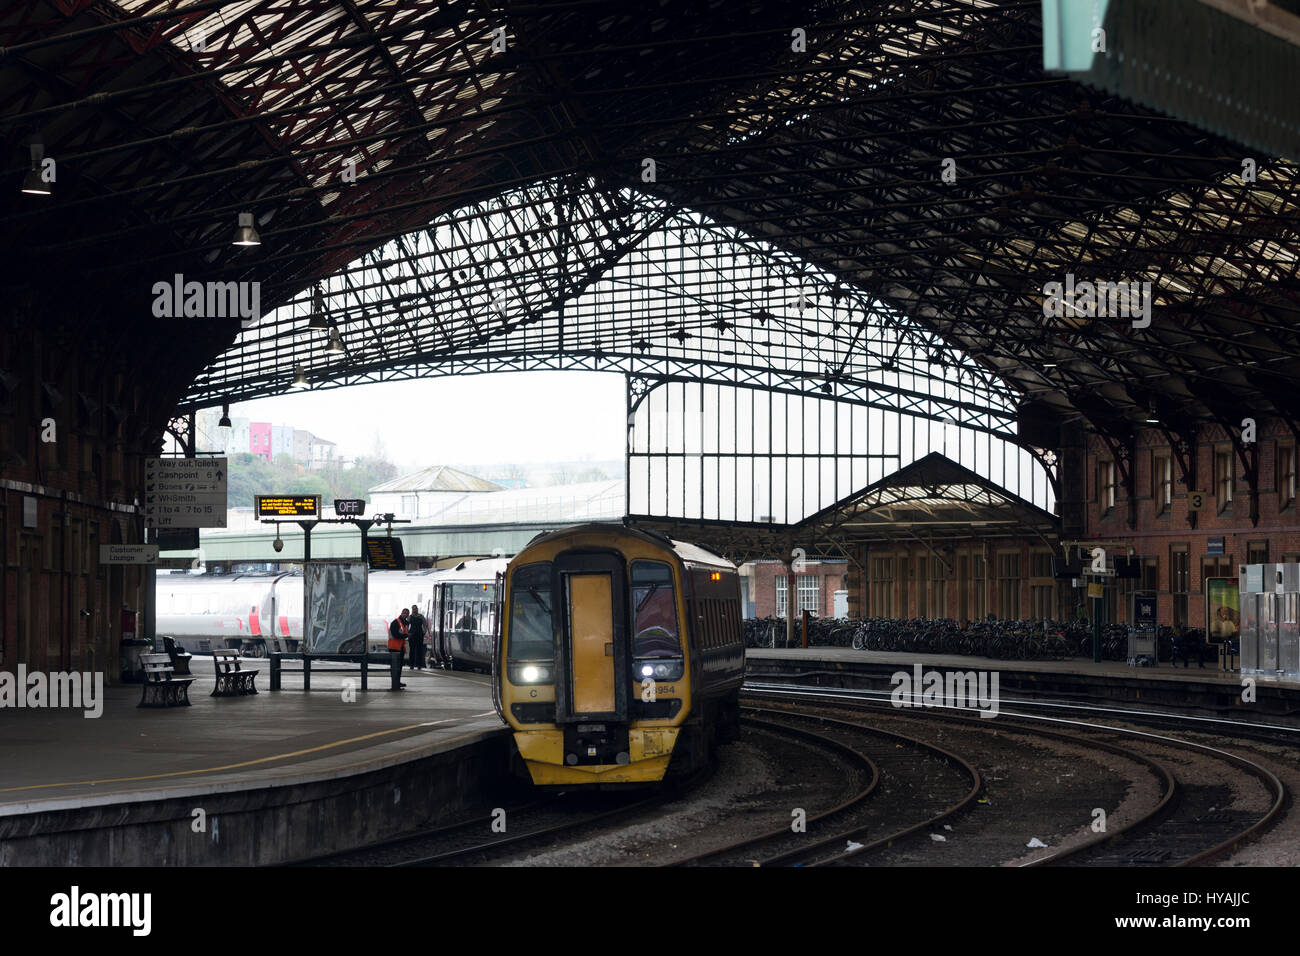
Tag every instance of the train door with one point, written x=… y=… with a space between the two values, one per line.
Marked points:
x=592 y=685
x=438 y=626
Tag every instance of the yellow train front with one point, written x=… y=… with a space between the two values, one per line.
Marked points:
x=621 y=654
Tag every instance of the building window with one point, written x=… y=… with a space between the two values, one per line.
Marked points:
x=979 y=599
x=1180 y=574
x=1106 y=486
x=1217 y=566
x=1223 y=479
x=409 y=504
x=1162 y=473
x=1040 y=564
x=807 y=591
x=1009 y=586
x=1286 y=468
x=881 y=598
x=939 y=592
x=1256 y=553
x=1151 y=575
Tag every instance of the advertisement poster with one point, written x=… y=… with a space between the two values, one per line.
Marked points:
x=1222 y=609
x=336 y=608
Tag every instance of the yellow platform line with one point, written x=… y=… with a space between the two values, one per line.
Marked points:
x=242 y=763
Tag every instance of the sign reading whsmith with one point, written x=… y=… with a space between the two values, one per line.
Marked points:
x=288 y=506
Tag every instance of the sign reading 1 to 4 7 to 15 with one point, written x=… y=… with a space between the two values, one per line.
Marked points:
x=288 y=506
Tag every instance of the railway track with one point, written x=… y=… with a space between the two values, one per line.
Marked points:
x=540 y=824
x=1186 y=826
x=896 y=760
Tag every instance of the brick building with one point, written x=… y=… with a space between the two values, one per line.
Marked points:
x=766 y=587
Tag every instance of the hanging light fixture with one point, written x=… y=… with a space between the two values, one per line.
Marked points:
x=299 y=376
x=224 y=427
x=245 y=232
x=317 y=318
x=34 y=183
x=336 y=342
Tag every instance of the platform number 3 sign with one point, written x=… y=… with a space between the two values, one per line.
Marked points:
x=1195 y=500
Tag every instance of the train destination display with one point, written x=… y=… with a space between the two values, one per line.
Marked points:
x=385 y=554
x=288 y=506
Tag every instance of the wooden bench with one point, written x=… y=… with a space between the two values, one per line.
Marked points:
x=161 y=687
x=180 y=657
x=232 y=679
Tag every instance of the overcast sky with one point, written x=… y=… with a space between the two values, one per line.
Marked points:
x=510 y=417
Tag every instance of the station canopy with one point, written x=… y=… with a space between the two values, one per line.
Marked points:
x=860 y=200
x=931 y=503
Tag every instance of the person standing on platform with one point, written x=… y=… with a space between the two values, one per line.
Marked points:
x=397 y=635
x=419 y=627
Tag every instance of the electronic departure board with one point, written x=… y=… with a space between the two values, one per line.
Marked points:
x=288 y=506
x=385 y=554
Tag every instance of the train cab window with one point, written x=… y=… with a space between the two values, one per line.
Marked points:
x=656 y=649
x=531 y=637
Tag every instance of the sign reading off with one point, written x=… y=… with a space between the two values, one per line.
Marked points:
x=288 y=506
x=385 y=554
x=349 y=506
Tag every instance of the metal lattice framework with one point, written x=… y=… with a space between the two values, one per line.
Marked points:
x=549 y=151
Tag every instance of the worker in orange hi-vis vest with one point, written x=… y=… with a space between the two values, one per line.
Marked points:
x=397 y=634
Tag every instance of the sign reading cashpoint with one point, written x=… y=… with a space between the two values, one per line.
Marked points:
x=288 y=506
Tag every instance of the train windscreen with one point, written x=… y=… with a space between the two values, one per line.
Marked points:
x=531 y=635
x=654 y=612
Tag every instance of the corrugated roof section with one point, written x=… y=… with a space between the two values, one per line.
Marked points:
x=437 y=478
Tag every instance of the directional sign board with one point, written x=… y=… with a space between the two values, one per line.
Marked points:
x=288 y=506
x=349 y=507
x=128 y=553
x=385 y=554
x=185 y=492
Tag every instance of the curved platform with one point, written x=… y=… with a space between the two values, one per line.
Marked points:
x=1207 y=691
x=265 y=778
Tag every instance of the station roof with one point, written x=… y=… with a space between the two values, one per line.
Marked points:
x=932 y=501
x=437 y=478
x=524 y=128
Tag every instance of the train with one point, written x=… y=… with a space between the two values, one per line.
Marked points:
x=261 y=613
x=621 y=657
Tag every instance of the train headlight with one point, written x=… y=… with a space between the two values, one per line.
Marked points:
x=666 y=668
x=531 y=674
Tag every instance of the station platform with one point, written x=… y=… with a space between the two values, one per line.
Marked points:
x=1209 y=691
x=279 y=752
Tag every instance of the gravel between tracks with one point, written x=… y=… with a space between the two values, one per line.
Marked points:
x=754 y=788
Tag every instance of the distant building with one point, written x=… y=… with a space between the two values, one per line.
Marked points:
x=281 y=441
x=260 y=439
x=241 y=436
x=425 y=493
x=325 y=452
